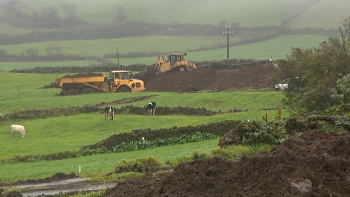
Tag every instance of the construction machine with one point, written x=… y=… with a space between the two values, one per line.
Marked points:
x=176 y=61
x=118 y=81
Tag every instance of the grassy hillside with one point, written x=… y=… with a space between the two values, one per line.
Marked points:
x=70 y=132
x=324 y=14
x=99 y=165
x=171 y=43
x=299 y=14
x=277 y=48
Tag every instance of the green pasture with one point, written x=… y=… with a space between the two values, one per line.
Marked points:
x=101 y=47
x=96 y=164
x=69 y=133
x=278 y=48
x=25 y=92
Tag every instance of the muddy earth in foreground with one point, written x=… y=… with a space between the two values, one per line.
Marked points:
x=314 y=164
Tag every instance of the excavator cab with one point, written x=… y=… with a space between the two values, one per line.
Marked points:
x=173 y=58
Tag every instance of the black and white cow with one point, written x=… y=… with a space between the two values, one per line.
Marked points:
x=151 y=108
x=109 y=113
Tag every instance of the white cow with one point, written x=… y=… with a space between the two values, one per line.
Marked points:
x=18 y=128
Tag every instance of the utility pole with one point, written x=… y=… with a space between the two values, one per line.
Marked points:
x=228 y=43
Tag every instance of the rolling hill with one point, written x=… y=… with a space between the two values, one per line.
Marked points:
x=148 y=27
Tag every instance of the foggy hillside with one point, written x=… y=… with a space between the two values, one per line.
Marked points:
x=324 y=14
x=255 y=21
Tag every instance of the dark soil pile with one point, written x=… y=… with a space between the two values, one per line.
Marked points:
x=258 y=75
x=315 y=164
x=56 y=177
x=83 y=75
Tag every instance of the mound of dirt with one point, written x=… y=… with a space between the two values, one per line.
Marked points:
x=258 y=75
x=83 y=75
x=315 y=164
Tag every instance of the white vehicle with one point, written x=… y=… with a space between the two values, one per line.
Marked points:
x=284 y=84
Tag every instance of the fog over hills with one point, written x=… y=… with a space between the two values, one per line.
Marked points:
x=324 y=14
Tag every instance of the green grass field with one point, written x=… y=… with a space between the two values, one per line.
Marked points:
x=278 y=48
x=99 y=163
x=69 y=133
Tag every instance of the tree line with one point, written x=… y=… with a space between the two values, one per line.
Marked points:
x=324 y=85
x=71 y=27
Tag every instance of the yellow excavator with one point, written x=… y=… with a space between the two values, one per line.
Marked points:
x=176 y=61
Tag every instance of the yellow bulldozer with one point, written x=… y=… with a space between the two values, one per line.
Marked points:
x=176 y=61
x=118 y=81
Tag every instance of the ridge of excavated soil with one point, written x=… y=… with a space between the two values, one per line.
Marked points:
x=257 y=76
x=315 y=164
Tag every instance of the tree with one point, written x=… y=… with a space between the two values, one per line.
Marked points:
x=319 y=69
x=3 y=55
x=70 y=11
x=49 y=17
x=32 y=53
x=121 y=14
x=53 y=52
x=341 y=94
x=35 y=16
x=222 y=24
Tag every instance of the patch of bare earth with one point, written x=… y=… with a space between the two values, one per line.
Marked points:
x=315 y=164
x=258 y=76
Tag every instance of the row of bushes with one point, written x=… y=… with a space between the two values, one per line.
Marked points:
x=111 y=31
x=277 y=130
x=45 y=113
x=108 y=66
x=217 y=128
x=143 y=143
x=101 y=67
